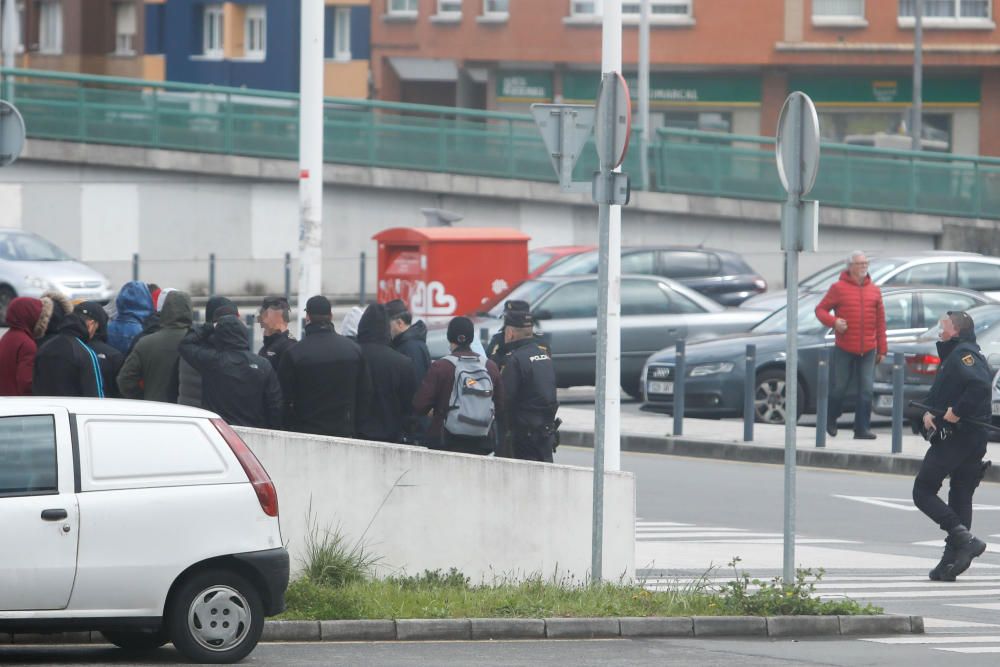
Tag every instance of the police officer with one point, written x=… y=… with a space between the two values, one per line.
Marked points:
x=961 y=392
x=529 y=382
x=496 y=350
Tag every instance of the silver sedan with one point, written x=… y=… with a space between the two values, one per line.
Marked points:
x=656 y=313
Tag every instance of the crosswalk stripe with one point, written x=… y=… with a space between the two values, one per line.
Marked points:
x=971 y=649
x=947 y=623
x=911 y=594
x=760 y=540
x=931 y=639
x=710 y=533
x=640 y=522
x=991 y=606
x=892 y=585
x=920 y=578
x=991 y=547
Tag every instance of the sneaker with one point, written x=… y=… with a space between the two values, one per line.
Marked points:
x=868 y=435
x=947 y=558
x=967 y=548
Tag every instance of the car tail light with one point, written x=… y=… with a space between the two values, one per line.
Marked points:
x=261 y=481
x=760 y=284
x=923 y=364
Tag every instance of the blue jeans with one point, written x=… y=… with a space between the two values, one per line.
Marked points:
x=852 y=371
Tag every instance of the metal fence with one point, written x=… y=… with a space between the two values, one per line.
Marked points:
x=238 y=121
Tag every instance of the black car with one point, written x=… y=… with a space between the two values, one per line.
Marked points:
x=718 y=274
x=716 y=368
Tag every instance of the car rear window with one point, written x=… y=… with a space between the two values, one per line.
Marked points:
x=688 y=264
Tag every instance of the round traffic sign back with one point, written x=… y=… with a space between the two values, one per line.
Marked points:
x=11 y=133
x=613 y=94
x=797 y=145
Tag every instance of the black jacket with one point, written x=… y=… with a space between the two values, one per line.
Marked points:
x=325 y=383
x=66 y=365
x=110 y=362
x=394 y=382
x=413 y=343
x=529 y=385
x=238 y=385
x=964 y=381
x=275 y=346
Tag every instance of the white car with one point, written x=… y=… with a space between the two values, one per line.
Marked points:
x=149 y=522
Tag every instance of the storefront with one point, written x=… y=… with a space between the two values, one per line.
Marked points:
x=727 y=103
x=516 y=90
x=876 y=110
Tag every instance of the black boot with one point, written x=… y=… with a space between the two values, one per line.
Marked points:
x=947 y=558
x=967 y=547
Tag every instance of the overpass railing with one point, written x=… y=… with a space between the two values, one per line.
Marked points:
x=258 y=123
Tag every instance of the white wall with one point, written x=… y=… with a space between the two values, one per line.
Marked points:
x=419 y=509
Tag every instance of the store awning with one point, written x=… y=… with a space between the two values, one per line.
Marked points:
x=425 y=69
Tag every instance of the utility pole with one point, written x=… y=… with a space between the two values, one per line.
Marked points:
x=917 y=122
x=9 y=40
x=644 y=12
x=607 y=416
x=310 y=152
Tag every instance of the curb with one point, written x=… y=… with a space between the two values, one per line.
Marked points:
x=485 y=629
x=892 y=464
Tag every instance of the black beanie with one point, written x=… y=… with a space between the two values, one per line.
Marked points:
x=461 y=331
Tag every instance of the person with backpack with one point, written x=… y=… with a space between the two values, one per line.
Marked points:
x=464 y=393
x=529 y=382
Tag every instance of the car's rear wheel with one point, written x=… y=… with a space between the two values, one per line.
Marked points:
x=216 y=617
x=769 y=397
x=6 y=296
x=137 y=640
x=632 y=388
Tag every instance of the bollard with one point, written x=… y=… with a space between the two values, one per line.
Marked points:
x=680 y=369
x=211 y=274
x=135 y=266
x=897 y=402
x=288 y=277
x=361 y=281
x=822 y=397
x=251 y=338
x=749 y=393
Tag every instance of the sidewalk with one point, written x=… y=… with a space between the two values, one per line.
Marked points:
x=713 y=438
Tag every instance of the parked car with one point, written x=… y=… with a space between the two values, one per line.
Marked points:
x=922 y=361
x=30 y=265
x=539 y=261
x=655 y=312
x=149 y=522
x=718 y=274
x=716 y=368
x=931 y=267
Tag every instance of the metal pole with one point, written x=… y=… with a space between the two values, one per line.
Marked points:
x=252 y=333
x=211 y=274
x=607 y=453
x=135 y=266
x=361 y=281
x=749 y=382
x=288 y=276
x=680 y=371
x=917 y=122
x=310 y=151
x=823 y=397
x=897 y=402
x=9 y=39
x=644 y=12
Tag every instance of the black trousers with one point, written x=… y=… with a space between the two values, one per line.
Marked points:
x=463 y=444
x=961 y=458
x=532 y=446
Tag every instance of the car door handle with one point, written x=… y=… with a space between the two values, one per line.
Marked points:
x=54 y=515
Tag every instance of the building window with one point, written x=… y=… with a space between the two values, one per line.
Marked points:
x=583 y=7
x=851 y=9
x=946 y=13
x=405 y=8
x=125 y=29
x=255 y=32
x=449 y=8
x=496 y=8
x=658 y=8
x=661 y=11
x=50 y=27
x=212 y=35
x=342 y=33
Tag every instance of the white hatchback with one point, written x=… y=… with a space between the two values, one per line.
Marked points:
x=149 y=522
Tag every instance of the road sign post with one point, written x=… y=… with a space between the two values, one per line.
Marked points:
x=12 y=133
x=797 y=152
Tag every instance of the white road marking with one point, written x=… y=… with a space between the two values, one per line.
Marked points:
x=915 y=579
x=972 y=649
x=925 y=639
x=904 y=504
x=992 y=606
x=946 y=623
x=699 y=557
x=706 y=533
x=990 y=546
x=912 y=595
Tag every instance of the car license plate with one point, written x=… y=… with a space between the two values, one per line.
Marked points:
x=660 y=388
x=884 y=401
x=996 y=408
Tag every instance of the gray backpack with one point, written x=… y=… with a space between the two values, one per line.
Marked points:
x=470 y=409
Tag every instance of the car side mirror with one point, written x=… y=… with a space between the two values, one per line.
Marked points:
x=542 y=314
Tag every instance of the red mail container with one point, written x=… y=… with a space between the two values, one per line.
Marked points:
x=448 y=271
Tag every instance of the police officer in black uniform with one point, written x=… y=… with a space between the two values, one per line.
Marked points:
x=961 y=392
x=530 y=378
x=497 y=348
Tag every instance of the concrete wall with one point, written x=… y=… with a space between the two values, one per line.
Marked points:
x=418 y=509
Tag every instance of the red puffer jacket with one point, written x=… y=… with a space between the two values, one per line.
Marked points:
x=861 y=305
x=18 y=347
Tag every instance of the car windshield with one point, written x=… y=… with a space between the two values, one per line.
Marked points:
x=777 y=322
x=536 y=258
x=823 y=279
x=528 y=291
x=29 y=248
x=575 y=265
x=984 y=317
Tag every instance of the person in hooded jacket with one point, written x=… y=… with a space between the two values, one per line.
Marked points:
x=151 y=370
x=394 y=382
x=409 y=337
x=133 y=306
x=238 y=385
x=18 y=347
x=108 y=358
x=274 y=316
x=61 y=307
x=66 y=366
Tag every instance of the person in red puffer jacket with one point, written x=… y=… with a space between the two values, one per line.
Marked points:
x=853 y=307
x=27 y=318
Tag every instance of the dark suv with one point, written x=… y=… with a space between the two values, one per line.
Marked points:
x=718 y=274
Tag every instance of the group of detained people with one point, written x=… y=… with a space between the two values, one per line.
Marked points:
x=373 y=380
